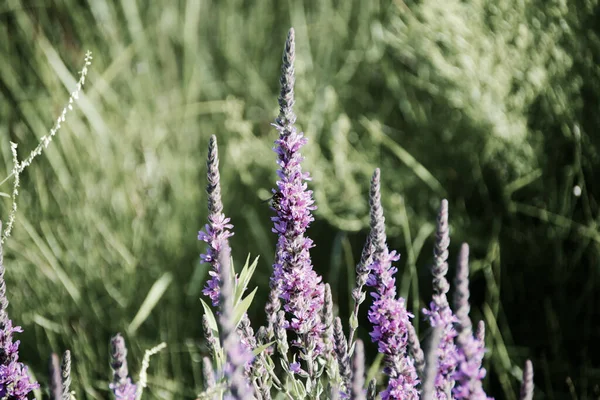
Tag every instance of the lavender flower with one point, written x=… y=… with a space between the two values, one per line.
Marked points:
x=439 y=312
x=358 y=372
x=362 y=274
x=527 y=386
x=121 y=385
x=470 y=349
x=236 y=354
x=301 y=288
x=55 y=378
x=388 y=314
x=218 y=229
x=272 y=307
x=327 y=319
x=208 y=374
x=429 y=376
x=414 y=346
x=341 y=351
x=14 y=381
x=281 y=334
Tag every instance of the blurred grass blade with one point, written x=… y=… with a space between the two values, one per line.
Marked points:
x=374 y=128
x=154 y=295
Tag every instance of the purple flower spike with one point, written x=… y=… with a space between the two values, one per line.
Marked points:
x=14 y=380
x=299 y=286
x=470 y=349
x=527 y=385
x=439 y=312
x=236 y=354
x=121 y=385
x=388 y=314
x=218 y=229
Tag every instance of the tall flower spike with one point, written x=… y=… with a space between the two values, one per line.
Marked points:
x=65 y=369
x=236 y=353
x=358 y=372
x=209 y=375
x=358 y=294
x=470 y=349
x=300 y=287
x=218 y=229
x=439 y=312
x=461 y=294
x=388 y=314
x=327 y=319
x=55 y=377
x=429 y=376
x=527 y=385
x=341 y=351
x=121 y=384
x=281 y=334
x=416 y=351
x=14 y=381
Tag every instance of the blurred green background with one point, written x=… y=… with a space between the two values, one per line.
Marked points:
x=491 y=104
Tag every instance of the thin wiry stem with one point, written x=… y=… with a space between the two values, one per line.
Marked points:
x=18 y=167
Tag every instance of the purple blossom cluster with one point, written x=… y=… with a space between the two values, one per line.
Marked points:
x=388 y=314
x=469 y=374
x=218 y=229
x=14 y=380
x=298 y=284
x=439 y=313
x=122 y=386
x=453 y=366
x=470 y=349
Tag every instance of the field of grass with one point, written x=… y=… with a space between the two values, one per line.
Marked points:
x=492 y=105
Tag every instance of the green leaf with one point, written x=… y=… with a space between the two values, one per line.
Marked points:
x=244 y=278
x=262 y=348
x=212 y=322
x=374 y=368
x=242 y=307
